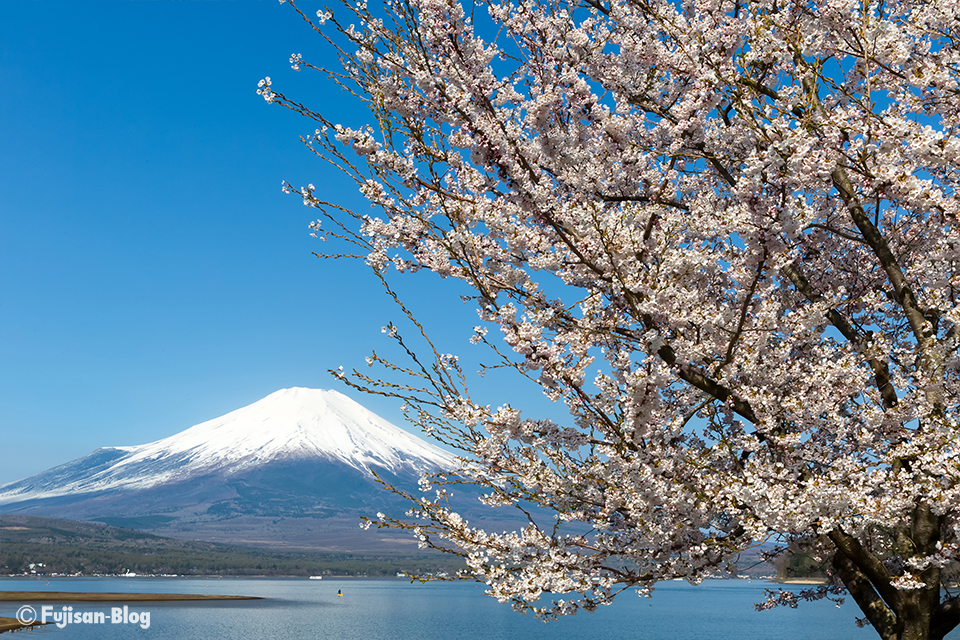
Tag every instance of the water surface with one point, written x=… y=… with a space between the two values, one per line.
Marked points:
x=373 y=609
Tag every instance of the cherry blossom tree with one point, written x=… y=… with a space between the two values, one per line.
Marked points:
x=722 y=232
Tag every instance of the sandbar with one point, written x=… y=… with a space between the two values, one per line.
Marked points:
x=86 y=596
x=12 y=624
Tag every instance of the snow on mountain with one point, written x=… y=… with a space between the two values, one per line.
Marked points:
x=289 y=425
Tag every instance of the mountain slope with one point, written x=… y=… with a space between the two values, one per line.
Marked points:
x=291 y=470
x=288 y=425
x=66 y=547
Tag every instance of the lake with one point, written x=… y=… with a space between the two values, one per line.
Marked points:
x=373 y=609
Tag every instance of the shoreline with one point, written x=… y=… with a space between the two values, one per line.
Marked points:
x=801 y=581
x=199 y=576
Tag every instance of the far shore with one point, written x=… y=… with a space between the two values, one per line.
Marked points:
x=800 y=580
x=86 y=596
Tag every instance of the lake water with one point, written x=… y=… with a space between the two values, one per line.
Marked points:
x=371 y=609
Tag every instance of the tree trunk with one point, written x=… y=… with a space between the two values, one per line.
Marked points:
x=917 y=614
x=898 y=614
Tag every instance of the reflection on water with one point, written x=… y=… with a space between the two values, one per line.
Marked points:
x=397 y=610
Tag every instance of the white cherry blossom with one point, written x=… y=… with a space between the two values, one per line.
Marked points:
x=724 y=234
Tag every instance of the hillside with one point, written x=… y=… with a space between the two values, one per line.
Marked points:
x=67 y=547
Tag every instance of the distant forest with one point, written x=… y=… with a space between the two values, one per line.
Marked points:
x=66 y=547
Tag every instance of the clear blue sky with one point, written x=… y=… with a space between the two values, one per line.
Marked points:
x=152 y=273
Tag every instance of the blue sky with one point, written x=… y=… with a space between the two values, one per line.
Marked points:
x=152 y=273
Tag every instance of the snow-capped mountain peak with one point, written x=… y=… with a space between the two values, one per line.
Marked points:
x=288 y=425
x=297 y=423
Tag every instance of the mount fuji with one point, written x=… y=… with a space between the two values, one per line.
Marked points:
x=291 y=470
